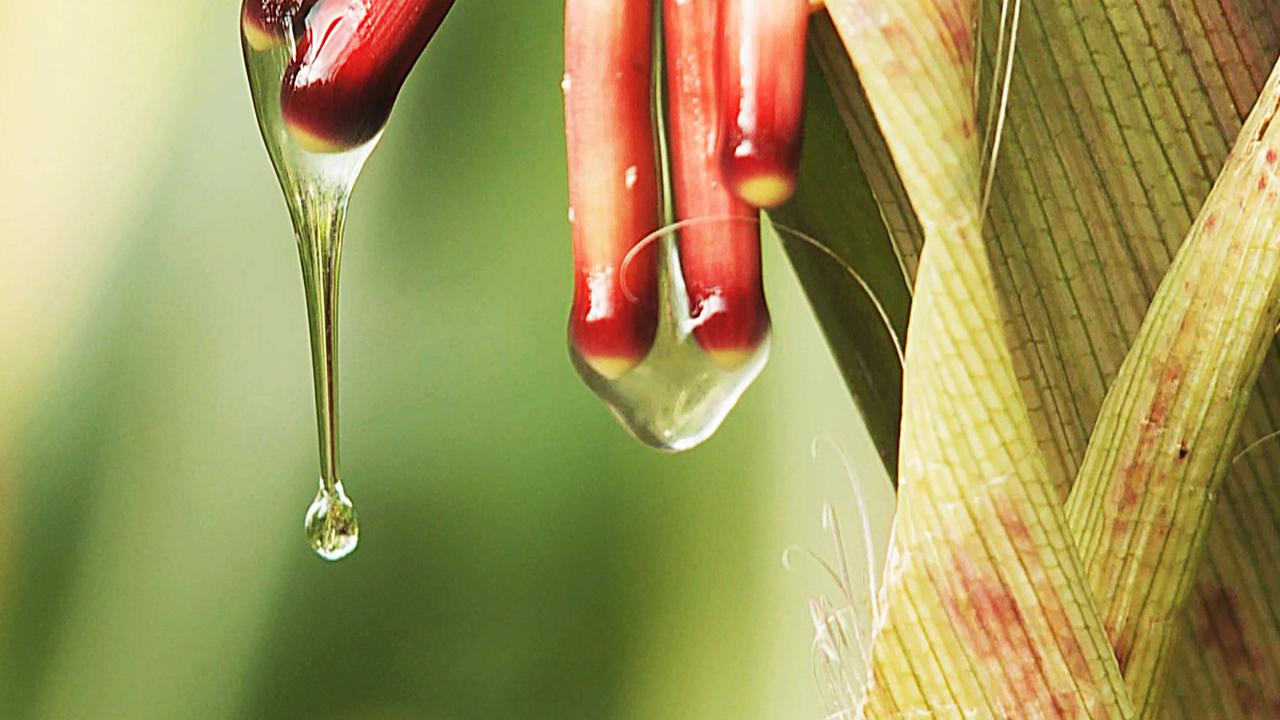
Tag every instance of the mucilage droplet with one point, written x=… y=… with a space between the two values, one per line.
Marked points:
x=338 y=65
x=667 y=328
x=316 y=188
x=331 y=523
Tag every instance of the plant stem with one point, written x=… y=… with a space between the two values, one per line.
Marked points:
x=1141 y=504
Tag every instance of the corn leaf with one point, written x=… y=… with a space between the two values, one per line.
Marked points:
x=974 y=622
x=1120 y=117
x=1140 y=506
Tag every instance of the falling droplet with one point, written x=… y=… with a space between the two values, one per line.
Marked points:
x=317 y=187
x=679 y=394
x=332 y=526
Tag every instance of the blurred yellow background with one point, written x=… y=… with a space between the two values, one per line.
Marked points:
x=521 y=557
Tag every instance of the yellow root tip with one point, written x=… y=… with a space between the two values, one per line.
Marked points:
x=312 y=143
x=259 y=40
x=766 y=191
x=611 y=367
x=730 y=360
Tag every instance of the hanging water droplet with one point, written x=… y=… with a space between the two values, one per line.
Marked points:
x=331 y=523
x=680 y=392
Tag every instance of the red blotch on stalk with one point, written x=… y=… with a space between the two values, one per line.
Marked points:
x=762 y=62
x=989 y=621
x=1121 y=646
x=264 y=23
x=613 y=180
x=957 y=21
x=720 y=258
x=1224 y=631
x=350 y=63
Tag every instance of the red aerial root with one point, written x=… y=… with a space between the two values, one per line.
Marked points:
x=613 y=180
x=720 y=260
x=762 y=64
x=351 y=61
x=264 y=23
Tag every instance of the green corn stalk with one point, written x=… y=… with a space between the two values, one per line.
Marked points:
x=1118 y=124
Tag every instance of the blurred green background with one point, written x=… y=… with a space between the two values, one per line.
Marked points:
x=521 y=556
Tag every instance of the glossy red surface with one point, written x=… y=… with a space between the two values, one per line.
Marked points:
x=720 y=250
x=263 y=22
x=350 y=63
x=762 y=56
x=613 y=179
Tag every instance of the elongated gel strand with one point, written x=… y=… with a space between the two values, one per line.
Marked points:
x=762 y=62
x=720 y=261
x=324 y=75
x=613 y=180
x=350 y=63
x=316 y=189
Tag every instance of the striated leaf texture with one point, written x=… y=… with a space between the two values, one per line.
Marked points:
x=1165 y=438
x=984 y=610
x=1120 y=116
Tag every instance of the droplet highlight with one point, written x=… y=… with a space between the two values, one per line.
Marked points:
x=331 y=524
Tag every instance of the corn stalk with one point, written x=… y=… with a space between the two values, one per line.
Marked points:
x=1118 y=123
